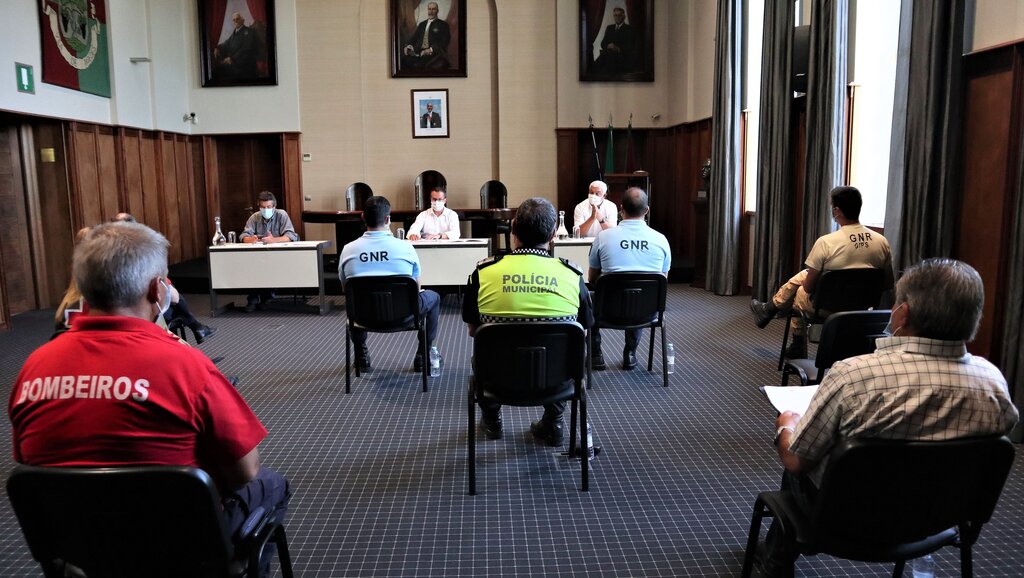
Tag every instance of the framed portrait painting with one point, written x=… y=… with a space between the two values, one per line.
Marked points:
x=430 y=113
x=428 y=38
x=237 y=42
x=617 y=40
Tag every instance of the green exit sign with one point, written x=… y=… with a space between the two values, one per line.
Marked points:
x=24 y=77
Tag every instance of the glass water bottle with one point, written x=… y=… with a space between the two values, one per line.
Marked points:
x=218 y=237
x=562 y=232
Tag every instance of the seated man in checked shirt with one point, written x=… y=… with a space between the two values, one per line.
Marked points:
x=919 y=384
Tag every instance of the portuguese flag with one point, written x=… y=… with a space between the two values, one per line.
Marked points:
x=74 y=37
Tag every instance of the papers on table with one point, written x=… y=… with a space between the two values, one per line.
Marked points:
x=792 y=398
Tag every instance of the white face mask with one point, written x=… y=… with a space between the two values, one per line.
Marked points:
x=267 y=213
x=437 y=205
x=167 y=300
x=889 y=331
x=595 y=200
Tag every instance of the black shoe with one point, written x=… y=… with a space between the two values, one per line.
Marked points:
x=232 y=379
x=363 y=359
x=763 y=312
x=251 y=303
x=597 y=361
x=417 y=362
x=551 y=433
x=797 y=348
x=491 y=426
x=628 y=360
x=201 y=332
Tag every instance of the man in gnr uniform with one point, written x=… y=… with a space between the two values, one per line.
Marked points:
x=527 y=285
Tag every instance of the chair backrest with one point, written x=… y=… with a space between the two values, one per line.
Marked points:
x=848 y=290
x=529 y=362
x=848 y=334
x=895 y=492
x=426 y=182
x=383 y=303
x=629 y=299
x=356 y=194
x=493 y=195
x=125 y=521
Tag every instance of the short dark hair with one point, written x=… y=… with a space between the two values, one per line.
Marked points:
x=847 y=200
x=376 y=210
x=634 y=202
x=945 y=297
x=125 y=217
x=535 y=222
x=267 y=196
x=440 y=189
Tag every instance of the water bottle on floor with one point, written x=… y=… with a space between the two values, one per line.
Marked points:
x=923 y=567
x=670 y=358
x=435 y=362
x=590 y=442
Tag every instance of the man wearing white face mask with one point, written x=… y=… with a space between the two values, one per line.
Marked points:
x=437 y=222
x=596 y=213
x=267 y=225
x=121 y=391
x=919 y=384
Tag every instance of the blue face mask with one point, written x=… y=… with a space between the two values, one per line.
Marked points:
x=267 y=213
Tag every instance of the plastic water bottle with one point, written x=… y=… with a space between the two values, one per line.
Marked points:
x=435 y=362
x=590 y=442
x=670 y=358
x=923 y=567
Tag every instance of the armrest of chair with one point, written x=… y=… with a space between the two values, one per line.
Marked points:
x=804 y=369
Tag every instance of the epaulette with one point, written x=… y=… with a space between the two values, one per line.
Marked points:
x=575 y=268
x=488 y=261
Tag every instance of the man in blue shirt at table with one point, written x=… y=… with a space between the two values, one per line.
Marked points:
x=392 y=257
x=631 y=246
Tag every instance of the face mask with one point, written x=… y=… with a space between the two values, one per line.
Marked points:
x=595 y=200
x=889 y=331
x=267 y=213
x=167 y=300
x=437 y=205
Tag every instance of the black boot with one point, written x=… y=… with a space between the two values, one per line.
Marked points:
x=490 y=423
x=763 y=312
x=362 y=358
x=797 y=348
x=201 y=332
x=548 y=431
x=628 y=359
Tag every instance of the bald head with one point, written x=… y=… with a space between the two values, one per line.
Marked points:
x=634 y=203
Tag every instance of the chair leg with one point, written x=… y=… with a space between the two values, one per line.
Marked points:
x=785 y=341
x=650 y=349
x=897 y=571
x=426 y=357
x=588 y=358
x=664 y=356
x=572 y=429
x=348 y=359
x=584 y=451
x=755 y=532
x=283 y=557
x=966 y=561
x=471 y=440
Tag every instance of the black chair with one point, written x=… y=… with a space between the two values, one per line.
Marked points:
x=383 y=304
x=837 y=291
x=529 y=364
x=426 y=182
x=356 y=194
x=160 y=521
x=631 y=300
x=844 y=335
x=494 y=195
x=892 y=501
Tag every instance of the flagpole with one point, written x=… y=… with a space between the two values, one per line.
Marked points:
x=593 y=145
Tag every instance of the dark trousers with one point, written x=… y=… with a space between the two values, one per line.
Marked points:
x=552 y=411
x=180 y=310
x=632 y=339
x=430 y=309
x=780 y=554
x=268 y=489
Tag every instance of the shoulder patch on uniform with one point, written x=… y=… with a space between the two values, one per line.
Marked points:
x=488 y=261
x=575 y=268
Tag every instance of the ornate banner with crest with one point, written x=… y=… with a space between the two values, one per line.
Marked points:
x=74 y=38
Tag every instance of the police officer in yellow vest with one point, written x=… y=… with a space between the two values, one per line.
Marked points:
x=528 y=284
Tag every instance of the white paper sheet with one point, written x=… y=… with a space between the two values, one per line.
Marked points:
x=791 y=398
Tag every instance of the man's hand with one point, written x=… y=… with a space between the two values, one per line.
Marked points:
x=787 y=419
x=413 y=237
x=408 y=50
x=427 y=52
x=431 y=236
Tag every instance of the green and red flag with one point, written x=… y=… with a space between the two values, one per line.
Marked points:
x=74 y=38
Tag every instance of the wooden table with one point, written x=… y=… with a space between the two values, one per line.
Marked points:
x=243 y=266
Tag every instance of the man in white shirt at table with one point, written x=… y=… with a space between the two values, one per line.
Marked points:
x=596 y=213
x=437 y=222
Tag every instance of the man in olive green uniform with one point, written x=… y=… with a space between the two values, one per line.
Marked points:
x=527 y=285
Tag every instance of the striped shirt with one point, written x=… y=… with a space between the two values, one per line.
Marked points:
x=910 y=388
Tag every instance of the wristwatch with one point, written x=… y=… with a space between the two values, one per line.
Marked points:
x=778 y=433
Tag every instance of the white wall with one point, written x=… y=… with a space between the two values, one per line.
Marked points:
x=997 y=21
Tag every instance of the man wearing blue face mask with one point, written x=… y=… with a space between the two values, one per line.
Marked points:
x=437 y=222
x=268 y=225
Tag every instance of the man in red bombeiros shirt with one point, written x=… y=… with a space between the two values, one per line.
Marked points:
x=118 y=390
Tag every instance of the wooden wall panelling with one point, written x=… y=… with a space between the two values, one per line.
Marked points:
x=291 y=164
x=111 y=201
x=568 y=161
x=201 y=224
x=149 y=173
x=84 y=166
x=57 y=216
x=14 y=227
x=211 y=182
x=991 y=128
x=183 y=186
x=170 y=226
x=131 y=179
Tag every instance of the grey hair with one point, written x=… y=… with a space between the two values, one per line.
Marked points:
x=945 y=298
x=599 y=184
x=115 y=263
